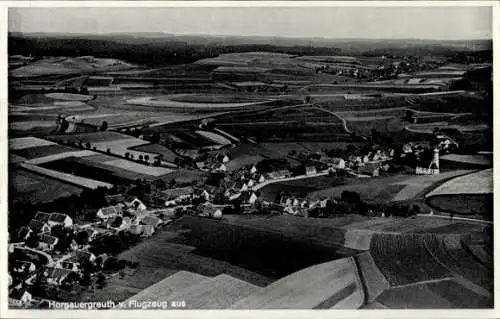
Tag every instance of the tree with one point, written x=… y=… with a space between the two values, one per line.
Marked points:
x=108 y=151
x=155 y=138
x=117 y=222
x=127 y=155
x=146 y=158
x=104 y=126
x=82 y=238
x=140 y=157
x=33 y=240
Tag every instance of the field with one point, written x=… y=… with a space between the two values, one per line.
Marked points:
x=68 y=97
x=410 y=262
x=97 y=169
x=375 y=282
x=166 y=103
x=210 y=98
x=139 y=168
x=442 y=294
x=385 y=189
x=475 y=183
x=457 y=160
x=216 y=138
x=329 y=285
x=167 y=154
x=28 y=142
x=64 y=177
x=43 y=151
x=164 y=254
x=25 y=186
x=365 y=125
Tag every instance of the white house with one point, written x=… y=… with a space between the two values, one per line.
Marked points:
x=135 y=229
x=253 y=198
x=148 y=230
x=221 y=168
x=251 y=183
x=310 y=170
x=262 y=179
x=136 y=204
x=253 y=170
x=60 y=219
x=43 y=217
x=47 y=242
x=109 y=212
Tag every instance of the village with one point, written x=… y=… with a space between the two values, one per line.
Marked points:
x=52 y=254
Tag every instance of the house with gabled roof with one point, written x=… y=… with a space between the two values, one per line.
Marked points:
x=38 y=226
x=310 y=170
x=55 y=275
x=136 y=204
x=105 y=213
x=135 y=229
x=148 y=230
x=24 y=233
x=47 y=242
x=42 y=217
x=151 y=220
x=60 y=219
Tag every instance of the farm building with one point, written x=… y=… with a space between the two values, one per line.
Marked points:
x=136 y=204
x=23 y=267
x=55 y=275
x=311 y=170
x=60 y=219
x=115 y=199
x=211 y=211
x=47 y=242
x=109 y=212
x=178 y=193
x=151 y=220
x=136 y=229
x=38 y=227
x=42 y=217
x=148 y=230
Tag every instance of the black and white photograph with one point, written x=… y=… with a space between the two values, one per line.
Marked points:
x=312 y=157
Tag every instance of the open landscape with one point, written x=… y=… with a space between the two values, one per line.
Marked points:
x=203 y=171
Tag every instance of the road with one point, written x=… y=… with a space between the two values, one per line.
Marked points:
x=458 y=218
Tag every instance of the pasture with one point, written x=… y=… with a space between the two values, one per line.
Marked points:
x=43 y=151
x=476 y=183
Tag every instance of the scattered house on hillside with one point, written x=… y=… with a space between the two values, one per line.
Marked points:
x=39 y=227
x=105 y=213
x=178 y=193
x=148 y=230
x=248 y=197
x=240 y=187
x=371 y=169
x=54 y=275
x=115 y=224
x=137 y=216
x=22 y=267
x=250 y=183
x=136 y=204
x=201 y=193
x=115 y=199
x=338 y=163
x=407 y=148
x=220 y=168
x=42 y=217
x=151 y=220
x=24 y=233
x=19 y=297
x=311 y=170
x=201 y=165
x=60 y=219
x=211 y=211
x=135 y=229
x=47 y=242
x=253 y=170
x=261 y=179
x=223 y=158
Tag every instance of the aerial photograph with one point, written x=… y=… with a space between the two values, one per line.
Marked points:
x=298 y=157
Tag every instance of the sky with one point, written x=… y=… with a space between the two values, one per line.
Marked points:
x=446 y=23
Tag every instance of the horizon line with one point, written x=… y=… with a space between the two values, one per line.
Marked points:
x=246 y=36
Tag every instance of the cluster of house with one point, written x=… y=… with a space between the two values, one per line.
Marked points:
x=296 y=206
x=216 y=163
x=132 y=216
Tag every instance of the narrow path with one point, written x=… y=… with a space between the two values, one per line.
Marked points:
x=344 y=123
x=458 y=218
